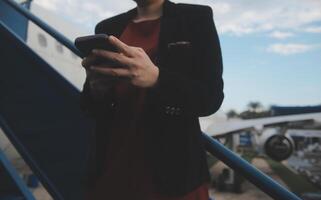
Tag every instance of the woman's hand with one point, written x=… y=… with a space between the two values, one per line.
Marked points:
x=98 y=83
x=133 y=62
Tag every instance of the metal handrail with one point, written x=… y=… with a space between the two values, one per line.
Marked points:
x=14 y=175
x=255 y=176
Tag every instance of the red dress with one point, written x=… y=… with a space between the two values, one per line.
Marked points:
x=127 y=174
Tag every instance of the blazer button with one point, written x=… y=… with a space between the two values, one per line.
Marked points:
x=172 y=110
x=167 y=109
x=177 y=111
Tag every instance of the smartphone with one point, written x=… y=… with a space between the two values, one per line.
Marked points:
x=86 y=44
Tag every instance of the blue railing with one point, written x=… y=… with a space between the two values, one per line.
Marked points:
x=255 y=176
x=14 y=175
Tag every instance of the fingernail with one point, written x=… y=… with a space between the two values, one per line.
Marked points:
x=111 y=37
x=95 y=51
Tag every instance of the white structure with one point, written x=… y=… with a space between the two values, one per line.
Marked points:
x=58 y=56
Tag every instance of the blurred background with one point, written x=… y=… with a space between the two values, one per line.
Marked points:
x=271 y=49
x=271 y=114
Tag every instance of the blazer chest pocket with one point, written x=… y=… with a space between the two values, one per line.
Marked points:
x=180 y=53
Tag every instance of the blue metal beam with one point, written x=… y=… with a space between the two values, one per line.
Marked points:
x=14 y=20
x=15 y=177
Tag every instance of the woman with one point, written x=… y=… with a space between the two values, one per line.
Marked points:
x=147 y=141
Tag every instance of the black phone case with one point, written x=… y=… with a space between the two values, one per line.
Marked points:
x=86 y=44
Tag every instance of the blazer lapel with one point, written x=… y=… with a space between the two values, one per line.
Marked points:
x=168 y=31
x=122 y=22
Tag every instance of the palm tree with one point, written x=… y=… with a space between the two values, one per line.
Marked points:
x=232 y=113
x=255 y=106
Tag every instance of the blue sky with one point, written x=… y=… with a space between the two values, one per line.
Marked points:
x=271 y=49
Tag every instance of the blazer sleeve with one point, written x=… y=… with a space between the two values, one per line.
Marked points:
x=92 y=107
x=199 y=93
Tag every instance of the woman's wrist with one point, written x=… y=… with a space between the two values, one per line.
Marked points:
x=156 y=77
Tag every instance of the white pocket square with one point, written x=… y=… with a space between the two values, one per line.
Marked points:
x=178 y=43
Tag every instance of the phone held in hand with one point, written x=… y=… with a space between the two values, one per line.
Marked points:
x=86 y=44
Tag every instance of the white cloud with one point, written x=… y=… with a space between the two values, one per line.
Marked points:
x=290 y=48
x=247 y=16
x=232 y=17
x=290 y=15
x=48 y=4
x=313 y=29
x=86 y=13
x=221 y=8
x=280 y=34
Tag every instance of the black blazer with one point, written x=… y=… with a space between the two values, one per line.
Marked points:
x=190 y=85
